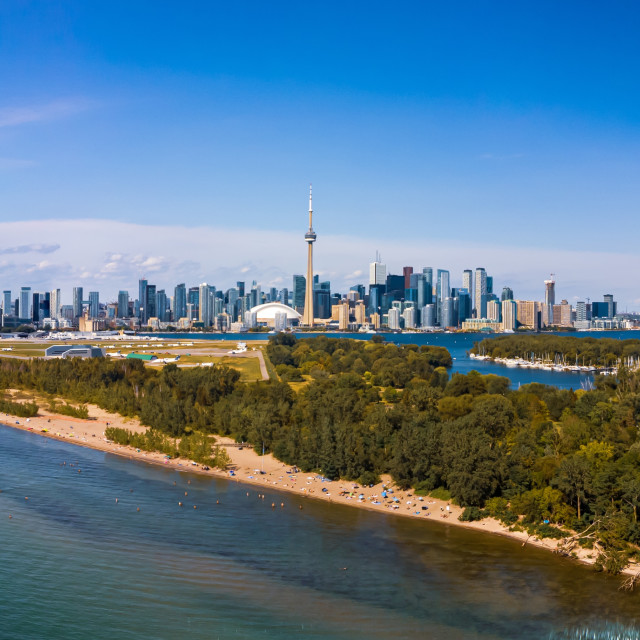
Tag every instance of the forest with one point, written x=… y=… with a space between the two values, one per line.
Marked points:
x=549 y=460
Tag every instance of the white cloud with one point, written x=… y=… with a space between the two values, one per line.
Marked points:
x=108 y=256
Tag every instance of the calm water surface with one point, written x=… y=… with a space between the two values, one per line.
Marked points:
x=74 y=564
x=458 y=345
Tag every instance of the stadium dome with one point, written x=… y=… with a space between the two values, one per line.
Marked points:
x=266 y=313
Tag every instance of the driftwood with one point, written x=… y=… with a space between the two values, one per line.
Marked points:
x=629 y=584
x=568 y=544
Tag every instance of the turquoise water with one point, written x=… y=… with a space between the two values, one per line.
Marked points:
x=458 y=345
x=76 y=564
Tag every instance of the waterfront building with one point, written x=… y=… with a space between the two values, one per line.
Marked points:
x=449 y=316
x=583 y=311
x=393 y=319
x=509 y=315
x=481 y=324
x=612 y=307
x=343 y=316
x=494 y=311
x=25 y=302
x=360 y=313
x=309 y=237
x=375 y=320
x=376 y=293
x=528 y=314
x=428 y=316
x=480 y=289
x=410 y=315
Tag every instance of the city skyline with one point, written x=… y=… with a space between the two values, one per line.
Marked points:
x=120 y=154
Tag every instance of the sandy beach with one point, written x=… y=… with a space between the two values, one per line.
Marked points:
x=267 y=472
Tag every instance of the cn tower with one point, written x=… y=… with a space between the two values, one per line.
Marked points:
x=310 y=237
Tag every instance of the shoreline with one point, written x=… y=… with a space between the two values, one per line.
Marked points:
x=248 y=470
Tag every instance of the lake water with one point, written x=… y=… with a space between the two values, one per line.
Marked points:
x=74 y=564
x=458 y=344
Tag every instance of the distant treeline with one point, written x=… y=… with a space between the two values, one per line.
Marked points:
x=538 y=456
x=601 y=352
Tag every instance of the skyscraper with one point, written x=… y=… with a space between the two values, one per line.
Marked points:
x=151 y=307
x=77 y=301
x=377 y=272
x=123 y=304
x=443 y=291
x=94 y=304
x=206 y=299
x=507 y=294
x=179 y=301
x=480 y=289
x=161 y=305
x=310 y=238
x=54 y=304
x=25 y=302
x=467 y=282
x=6 y=302
x=406 y=272
x=142 y=301
x=549 y=300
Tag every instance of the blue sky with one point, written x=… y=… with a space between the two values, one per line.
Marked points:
x=452 y=135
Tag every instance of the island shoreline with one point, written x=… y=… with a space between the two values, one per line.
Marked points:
x=247 y=471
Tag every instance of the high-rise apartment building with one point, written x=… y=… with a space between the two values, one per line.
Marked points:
x=25 y=302
x=509 y=315
x=55 y=304
x=480 y=289
x=77 y=301
x=142 y=301
x=467 y=281
x=207 y=309
x=94 y=304
x=123 y=304
x=299 y=286
x=549 y=300
x=6 y=303
x=443 y=291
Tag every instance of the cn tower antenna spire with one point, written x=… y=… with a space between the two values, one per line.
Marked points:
x=310 y=237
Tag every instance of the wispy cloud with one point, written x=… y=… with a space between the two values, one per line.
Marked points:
x=18 y=115
x=109 y=255
x=30 y=248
